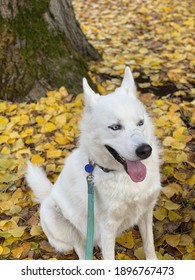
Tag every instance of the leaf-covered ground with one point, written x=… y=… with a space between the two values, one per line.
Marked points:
x=156 y=38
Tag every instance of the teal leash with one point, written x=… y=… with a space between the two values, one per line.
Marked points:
x=90 y=215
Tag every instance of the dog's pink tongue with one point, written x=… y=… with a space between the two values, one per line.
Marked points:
x=136 y=170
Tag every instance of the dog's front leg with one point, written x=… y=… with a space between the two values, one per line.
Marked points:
x=145 y=226
x=107 y=243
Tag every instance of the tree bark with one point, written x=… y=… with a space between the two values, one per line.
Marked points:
x=41 y=47
x=61 y=16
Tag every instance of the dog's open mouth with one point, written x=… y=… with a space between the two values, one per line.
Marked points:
x=135 y=169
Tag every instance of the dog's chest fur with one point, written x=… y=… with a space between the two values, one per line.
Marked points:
x=119 y=202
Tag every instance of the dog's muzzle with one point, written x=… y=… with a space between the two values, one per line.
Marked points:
x=135 y=169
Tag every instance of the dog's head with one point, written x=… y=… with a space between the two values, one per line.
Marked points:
x=116 y=130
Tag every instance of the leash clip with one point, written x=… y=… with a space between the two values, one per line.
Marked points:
x=90 y=177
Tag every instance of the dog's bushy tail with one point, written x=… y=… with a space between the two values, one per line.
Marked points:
x=38 y=181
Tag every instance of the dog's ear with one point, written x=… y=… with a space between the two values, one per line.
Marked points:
x=128 y=82
x=90 y=97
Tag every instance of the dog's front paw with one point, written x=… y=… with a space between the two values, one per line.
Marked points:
x=152 y=257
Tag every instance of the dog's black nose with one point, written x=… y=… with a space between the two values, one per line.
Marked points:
x=144 y=151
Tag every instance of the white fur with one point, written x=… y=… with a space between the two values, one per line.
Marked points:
x=119 y=202
x=35 y=178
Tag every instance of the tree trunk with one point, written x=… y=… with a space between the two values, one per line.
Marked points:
x=41 y=47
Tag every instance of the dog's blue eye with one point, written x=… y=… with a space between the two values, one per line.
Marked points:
x=140 y=123
x=115 y=126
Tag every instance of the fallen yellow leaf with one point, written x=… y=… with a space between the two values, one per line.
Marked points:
x=3 y=106
x=1 y=249
x=37 y=159
x=160 y=214
x=17 y=252
x=49 y=127
x=3 y=139
x=61 y=139
x=172 y=189
x=122 y=256
x=5 y=205
x=63 y=91
x=24 y=119
x=139 y=253
x=126 y=240
x=36 y=230
x=54 y=154
x=40 y=120
x=173 y=239
x=173 y=216
x=50 y=167
x=3 y=121
x=4 y=250
x=185 y=240
x=17 y=232
x=18 y=194
x=101 y=89
x=169 y=205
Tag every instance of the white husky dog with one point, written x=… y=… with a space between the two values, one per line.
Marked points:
x=117 y=136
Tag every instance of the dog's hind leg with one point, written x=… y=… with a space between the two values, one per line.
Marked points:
x=108 y=234
x=145 y=226
x=62 y=235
